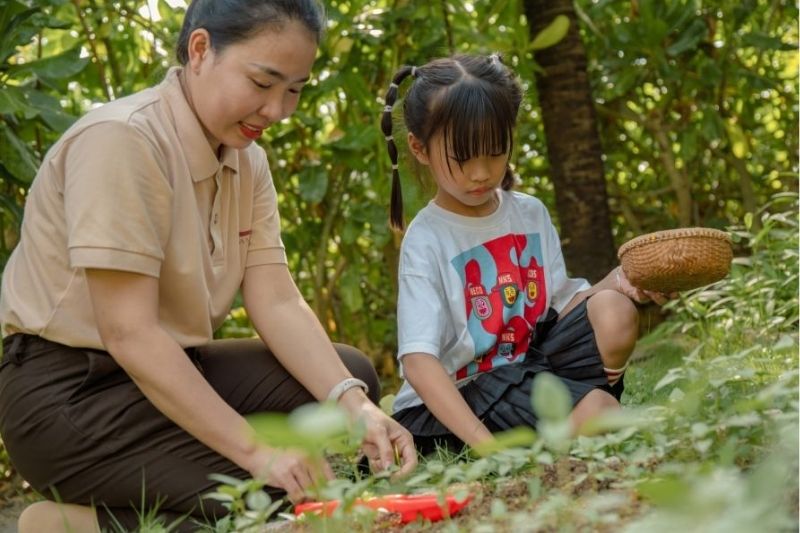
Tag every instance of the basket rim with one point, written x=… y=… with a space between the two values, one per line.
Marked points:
x=671 y=234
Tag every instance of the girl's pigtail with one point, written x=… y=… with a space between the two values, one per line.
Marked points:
x=396 y=210
x=508 y=179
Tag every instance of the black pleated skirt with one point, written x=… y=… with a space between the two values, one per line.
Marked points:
x=501 y=398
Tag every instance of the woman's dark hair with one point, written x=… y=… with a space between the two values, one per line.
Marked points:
x=231 y=21
x=472 y=100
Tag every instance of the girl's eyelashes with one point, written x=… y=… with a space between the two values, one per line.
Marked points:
x=462 y=161
x=260 y=85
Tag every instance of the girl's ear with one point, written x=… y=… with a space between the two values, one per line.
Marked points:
x=418 y=148
x=199 y=47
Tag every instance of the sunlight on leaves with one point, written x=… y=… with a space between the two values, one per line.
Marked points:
x=552 y=34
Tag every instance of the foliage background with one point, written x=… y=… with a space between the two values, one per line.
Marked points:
x=697 y=104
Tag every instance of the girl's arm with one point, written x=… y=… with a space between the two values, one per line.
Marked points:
x=430 y=380
x=616 y=280
x=289 y=327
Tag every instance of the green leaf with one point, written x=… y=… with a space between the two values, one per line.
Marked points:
x=672 y=376
x=552 y=34
x=225 y=479
x=16 y=156
x=519 y=436
x=740 y=144
x=55 y=68
x=16 y=27
x=357 y=138
x=550 y=398
x=617 y=420
x=748 y=220
x=350 y=290
x=258 y=500
x=273 y=429
x=50 y=110
x=689 y=39
x=498 y=508
x=762 y=41
x=387 y=404
x=319 y=421
x=313 y=183
x=669 y=491
x=13 y=101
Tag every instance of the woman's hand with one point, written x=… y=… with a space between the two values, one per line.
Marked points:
x=289 y=470
x=386 y=440
x=639 y=295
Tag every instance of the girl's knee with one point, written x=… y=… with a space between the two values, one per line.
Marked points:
x=612 y=308
x=614 y=319
x=595 y=403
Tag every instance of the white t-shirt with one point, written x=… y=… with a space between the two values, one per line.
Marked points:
x=471 y=289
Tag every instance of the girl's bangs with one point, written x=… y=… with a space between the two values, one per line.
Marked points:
x=476 y=121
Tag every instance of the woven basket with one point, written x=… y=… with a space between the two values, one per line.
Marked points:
x=676 y=260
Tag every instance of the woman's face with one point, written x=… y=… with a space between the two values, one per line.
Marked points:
x=251 y=84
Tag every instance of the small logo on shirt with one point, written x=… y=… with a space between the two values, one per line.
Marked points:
x=508 y=289
x=508 y=341
x=480 y=301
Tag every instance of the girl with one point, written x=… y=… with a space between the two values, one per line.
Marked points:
x=485 y=302
x=142 y=223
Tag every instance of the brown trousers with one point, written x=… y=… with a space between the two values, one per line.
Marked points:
x=80 y=431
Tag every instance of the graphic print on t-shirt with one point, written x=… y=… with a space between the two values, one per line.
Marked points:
x=504 y=295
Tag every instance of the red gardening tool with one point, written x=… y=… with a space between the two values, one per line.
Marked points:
x=408 y=506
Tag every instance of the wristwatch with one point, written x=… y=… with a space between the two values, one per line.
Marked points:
x=344 y=386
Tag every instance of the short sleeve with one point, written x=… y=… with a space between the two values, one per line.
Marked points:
x=117 y=200
x=266 y=246
x=419 y=316
x=421 y=308
x=563 y=288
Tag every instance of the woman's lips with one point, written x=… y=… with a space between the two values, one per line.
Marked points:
x=249 y=131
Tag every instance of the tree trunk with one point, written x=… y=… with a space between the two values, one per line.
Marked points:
x=573 y=145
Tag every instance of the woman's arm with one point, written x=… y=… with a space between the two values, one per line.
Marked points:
x=294 y=335
x=126 y=309
x=427 y=375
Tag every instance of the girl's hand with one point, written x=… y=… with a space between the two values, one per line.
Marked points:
x=387 y=441
x=289 y=470
x=639 y=295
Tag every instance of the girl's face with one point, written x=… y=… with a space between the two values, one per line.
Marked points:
x=467 y=187
x=251 y=84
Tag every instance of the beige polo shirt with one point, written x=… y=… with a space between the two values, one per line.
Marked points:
x=135 y=186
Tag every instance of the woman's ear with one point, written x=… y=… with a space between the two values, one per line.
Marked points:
x=199 y=47
x=418 y=148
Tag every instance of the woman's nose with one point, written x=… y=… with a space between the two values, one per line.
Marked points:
x=273 y=109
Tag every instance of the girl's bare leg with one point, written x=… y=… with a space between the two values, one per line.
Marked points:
x=56 y=517
x=615 y=321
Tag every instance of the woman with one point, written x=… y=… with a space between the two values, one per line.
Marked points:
x=144 y=220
